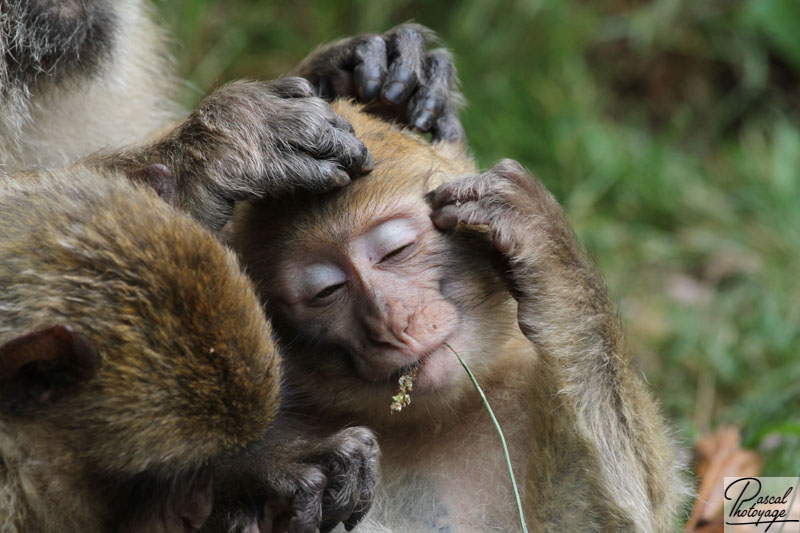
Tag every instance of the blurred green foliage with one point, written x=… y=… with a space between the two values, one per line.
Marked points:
x=668 y=129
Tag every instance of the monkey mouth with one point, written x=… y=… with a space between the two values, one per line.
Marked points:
x=428 y=368
x=410 y=368
x=415 y=365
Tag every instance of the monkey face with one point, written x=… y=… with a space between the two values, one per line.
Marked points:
x=377 y=297
x=369 y=302
x=362 y=287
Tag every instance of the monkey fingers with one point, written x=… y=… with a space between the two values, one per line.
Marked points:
x=526 y=224
x=406 y=50
x=324 y=144
x=318 y=175
x=370 y=68
x=351 y=464
x=298 y=485
x=505 y=179
x=431 y=107
x=500 y=198
x=395 y=76
x=250 y=140
x=334 y=484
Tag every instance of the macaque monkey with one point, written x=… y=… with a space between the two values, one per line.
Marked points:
x=368 y=282
x=81 y=78
x=138 y=377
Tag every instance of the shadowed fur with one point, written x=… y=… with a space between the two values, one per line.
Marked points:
x=186 y=369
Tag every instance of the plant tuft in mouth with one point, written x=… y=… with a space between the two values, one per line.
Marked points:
x=406 y=382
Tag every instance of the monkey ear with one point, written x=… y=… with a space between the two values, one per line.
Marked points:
x=159 y=178
x=38 y=368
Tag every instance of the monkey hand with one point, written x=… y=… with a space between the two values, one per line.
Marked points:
x=253 y=139
x=299 y=485
x=395 y=75
x=552 y=280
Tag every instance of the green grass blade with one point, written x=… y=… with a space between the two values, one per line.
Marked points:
x=502 y=438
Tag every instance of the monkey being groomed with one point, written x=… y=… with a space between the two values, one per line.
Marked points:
x=138 y=377
x=372 y=280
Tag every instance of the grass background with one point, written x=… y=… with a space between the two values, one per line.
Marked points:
x=667 y=128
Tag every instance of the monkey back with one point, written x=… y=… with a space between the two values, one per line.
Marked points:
x=187 y=368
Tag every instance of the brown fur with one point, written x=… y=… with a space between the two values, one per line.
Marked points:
x=187 y=371
x=587 y=441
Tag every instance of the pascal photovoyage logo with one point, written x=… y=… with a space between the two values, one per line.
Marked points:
x=760 y=504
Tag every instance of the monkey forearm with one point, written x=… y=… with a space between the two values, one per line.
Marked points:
x=179 y=180
x=564 y=310
x=247 y=140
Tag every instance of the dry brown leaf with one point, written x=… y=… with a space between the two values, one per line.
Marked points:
x=718 y=456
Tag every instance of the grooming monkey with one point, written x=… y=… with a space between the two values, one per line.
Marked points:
x=138 y=376
x=83 y=78
x=366 y=283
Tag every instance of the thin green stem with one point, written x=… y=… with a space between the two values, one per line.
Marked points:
x=502 y=438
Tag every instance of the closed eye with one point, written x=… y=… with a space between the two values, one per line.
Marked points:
x=395 y=252
x=328 y=291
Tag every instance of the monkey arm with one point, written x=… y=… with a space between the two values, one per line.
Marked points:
x=247 y=140
x=290 y=483
x=564 y=310
x=394 y=75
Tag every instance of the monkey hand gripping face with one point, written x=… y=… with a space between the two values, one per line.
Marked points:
x=138 y=377
x=374 y=280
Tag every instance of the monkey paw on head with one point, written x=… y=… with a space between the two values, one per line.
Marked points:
x=298 y=484
x=395 y=75
x=249 y=139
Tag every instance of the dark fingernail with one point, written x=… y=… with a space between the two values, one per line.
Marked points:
x=444 y=219
x=395 y=92
x=353 y=521
x=424 y=120
x=369 y=163
x=341 y=178
x=371 y=89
